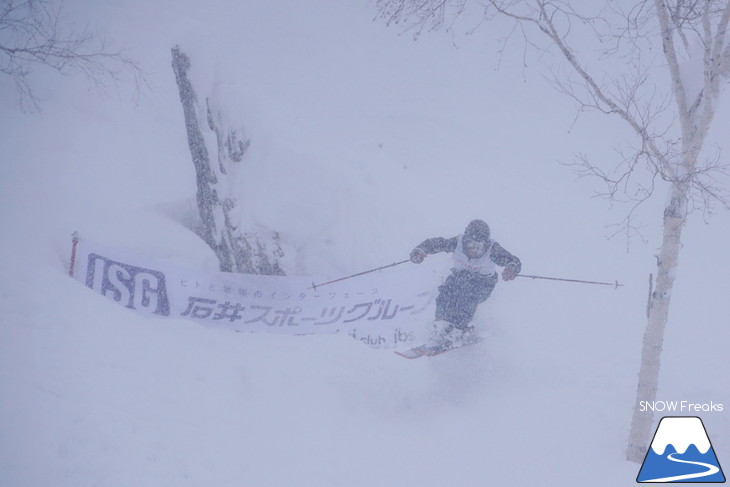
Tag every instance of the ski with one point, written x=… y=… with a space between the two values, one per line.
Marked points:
x=425 y=351
x=412 y=353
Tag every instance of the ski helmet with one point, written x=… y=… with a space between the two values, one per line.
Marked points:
x=477 y=230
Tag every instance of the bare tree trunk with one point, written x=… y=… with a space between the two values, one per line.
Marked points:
x=255 y=252
x=696 y=112
x=658 y=316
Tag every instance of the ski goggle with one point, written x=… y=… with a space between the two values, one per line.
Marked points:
x=475 y=247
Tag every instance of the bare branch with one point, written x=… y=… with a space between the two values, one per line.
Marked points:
x=629 y=35
x=418 y=15
x=544 y=20
x=32 y=34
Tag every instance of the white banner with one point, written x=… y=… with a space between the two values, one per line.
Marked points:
x=384 y=309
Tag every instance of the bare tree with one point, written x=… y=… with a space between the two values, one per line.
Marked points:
x=670 y=126
x=253 y=251
x=33 y=33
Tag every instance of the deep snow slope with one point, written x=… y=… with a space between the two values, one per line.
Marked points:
x=363 y=144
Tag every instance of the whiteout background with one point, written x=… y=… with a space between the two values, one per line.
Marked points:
x=363 y=144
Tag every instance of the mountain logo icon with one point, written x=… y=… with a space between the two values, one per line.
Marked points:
x=681 y=452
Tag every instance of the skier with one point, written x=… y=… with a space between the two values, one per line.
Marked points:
x=470 y=283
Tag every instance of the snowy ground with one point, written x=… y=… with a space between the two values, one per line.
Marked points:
x=363 y=144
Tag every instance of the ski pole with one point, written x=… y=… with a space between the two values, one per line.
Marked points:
x=315 y=286
x=614 y=284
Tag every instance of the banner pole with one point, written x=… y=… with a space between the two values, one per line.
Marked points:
x=75 y=242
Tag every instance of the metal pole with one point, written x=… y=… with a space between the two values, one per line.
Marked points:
x=315 y=286
x=614 y=284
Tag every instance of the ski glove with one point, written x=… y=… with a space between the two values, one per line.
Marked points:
x=417 y=255
x=509 y=273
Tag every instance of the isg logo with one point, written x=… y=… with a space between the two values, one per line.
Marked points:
x=134 y=287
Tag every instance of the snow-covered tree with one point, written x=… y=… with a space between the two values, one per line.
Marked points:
x=251 y=250
x=33 y=33
x=687 y=40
